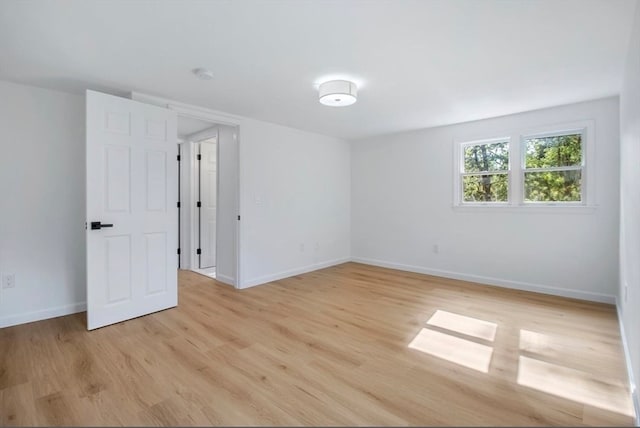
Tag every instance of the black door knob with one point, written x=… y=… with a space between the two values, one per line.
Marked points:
x=96 y=225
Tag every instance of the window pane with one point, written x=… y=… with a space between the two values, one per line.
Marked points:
x=553 y=186
x=486 y=157
x=547 y=152
x=485 y=188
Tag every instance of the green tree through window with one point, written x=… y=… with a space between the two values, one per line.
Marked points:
x=543 y=169
x=553 y=169
x=485 y=177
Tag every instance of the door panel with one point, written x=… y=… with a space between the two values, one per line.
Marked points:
x=117 y=178
x=156 y=180
x=156 y=255
x=118 y=268
x=131 y=184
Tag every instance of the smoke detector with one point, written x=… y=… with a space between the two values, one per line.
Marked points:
x=203 y=73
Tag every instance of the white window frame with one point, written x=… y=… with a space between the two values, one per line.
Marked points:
x=461 y=172
x=581 y=167
x=516 y=139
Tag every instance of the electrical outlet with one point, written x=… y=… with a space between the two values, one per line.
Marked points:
x=8 y=281
x=302 y=248
x=436 y=248
x=317 y=246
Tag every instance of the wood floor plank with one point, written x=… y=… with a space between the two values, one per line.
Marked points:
x=18 y=406
x=350 y=345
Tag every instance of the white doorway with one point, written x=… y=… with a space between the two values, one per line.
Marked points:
x=208 y=198
x=132 y=187
x=228 y=224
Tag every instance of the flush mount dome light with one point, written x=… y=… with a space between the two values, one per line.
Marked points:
x=338 y=93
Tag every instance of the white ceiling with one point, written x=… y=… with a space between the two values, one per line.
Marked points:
x=418 y=63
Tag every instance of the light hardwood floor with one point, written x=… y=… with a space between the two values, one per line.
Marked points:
x=347 y=345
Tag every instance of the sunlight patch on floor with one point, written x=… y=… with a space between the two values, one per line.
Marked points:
x=573 y=385
x=454 y=349
x=538 y=343
x=466 y=325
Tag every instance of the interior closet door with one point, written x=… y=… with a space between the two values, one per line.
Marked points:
x=208 y=202
x=132 y=218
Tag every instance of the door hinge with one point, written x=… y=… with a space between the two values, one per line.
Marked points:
x=199 y=157
x=178 y=204
x=178 y=251
x=178 y=158
x=198 y=251
x=198 y=204
x=238 y=218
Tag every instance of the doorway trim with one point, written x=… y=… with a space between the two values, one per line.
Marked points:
x=196 y=177
x=196 y=112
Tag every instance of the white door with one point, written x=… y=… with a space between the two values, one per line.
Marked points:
x=208 y=201
x=132 y=190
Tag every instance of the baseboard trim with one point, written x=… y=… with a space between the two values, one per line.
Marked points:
x=292 y=272
x=627 y=359
x=517 y=285
x=225 y=279
x=28 y=317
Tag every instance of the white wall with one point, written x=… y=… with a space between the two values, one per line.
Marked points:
x=629 y=299
x=227 y=203
x=402 y=196
x=295 y=191
x=301 y=194
x=295 y=201
x=42 y=203
x=295 y=197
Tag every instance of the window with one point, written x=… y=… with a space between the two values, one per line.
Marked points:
x=545 y=168
x=485 y=172
x=553 y=168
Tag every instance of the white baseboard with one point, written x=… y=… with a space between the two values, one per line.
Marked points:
x=627 y=358
x=226 y=279
x=292 y=272
x=59 y=311
x=518 y=285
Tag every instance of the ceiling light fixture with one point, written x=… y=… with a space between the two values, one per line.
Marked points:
x=338 y=93
x=203 y=73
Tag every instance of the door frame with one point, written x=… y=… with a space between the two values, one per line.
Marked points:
x=214 y=117
x=195 y=181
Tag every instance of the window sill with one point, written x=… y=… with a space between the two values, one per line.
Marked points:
x=525 y=208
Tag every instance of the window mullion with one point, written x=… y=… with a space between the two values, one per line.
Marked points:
x=554 y=169
x=514 y=170
x=469 y=174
